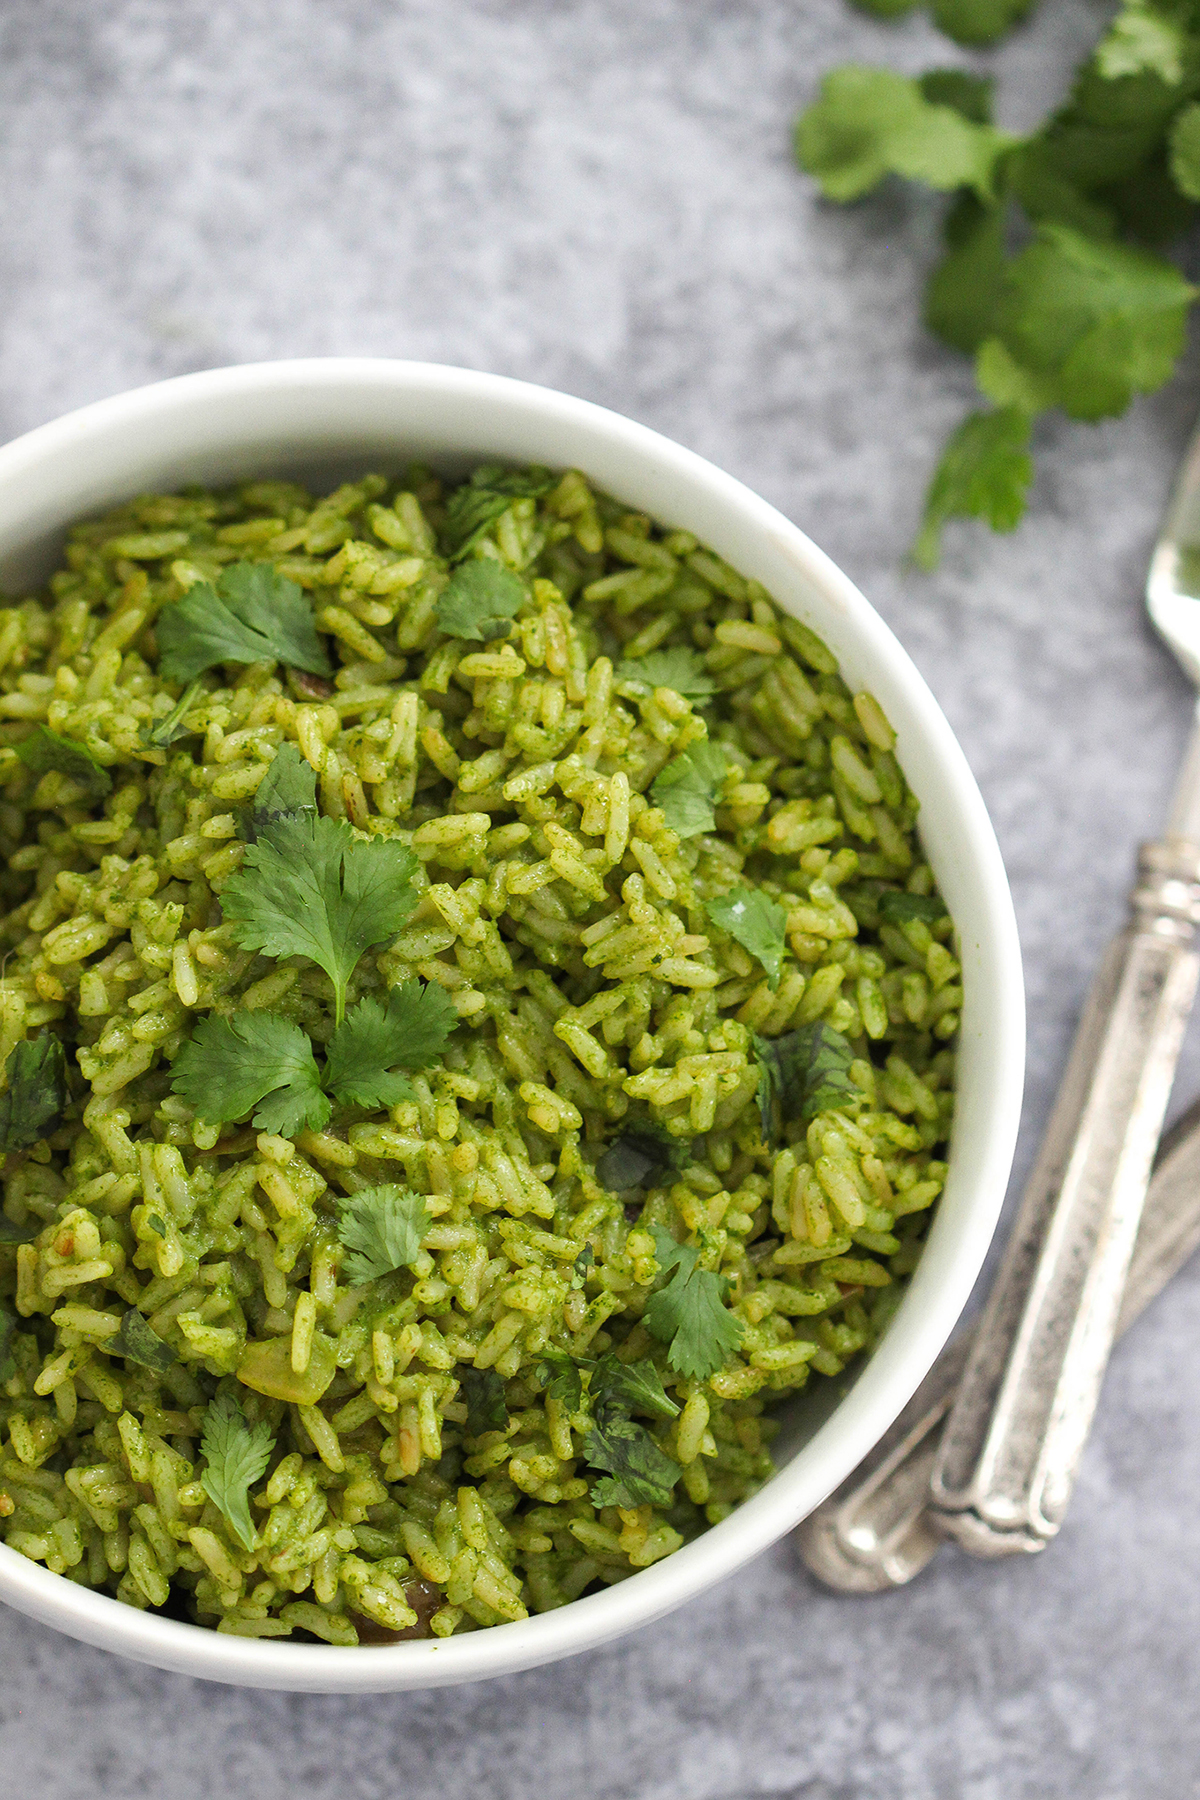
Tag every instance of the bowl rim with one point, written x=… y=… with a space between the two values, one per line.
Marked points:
x=883 y=1387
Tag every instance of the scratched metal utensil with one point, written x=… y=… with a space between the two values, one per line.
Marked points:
x=875 y=1531
x=1022 y=1394
x=1005 y=1467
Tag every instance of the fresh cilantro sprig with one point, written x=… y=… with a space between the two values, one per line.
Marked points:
x=474 y=507
x=44 y=749
x=139 y=1342
x=307 y=886
x=253 y=1062
x=381 y=1228
x=642 y=1148
x=985 y=473
x=681 y=669
x=972 y=22
x=757 y=922
x=374 y=1044
x=611 y=1382
x=256 y=1061
x=1051 y=278
x=253 y=614
x=686 y=791
x=32 y=1104
x=635 y=1385
x=235 y=1455
x=480 y=601
x=869 y=123
x=633 y=1467
x=899 y=908
x=627 y=1162
x=801 y=1074
x=689 y=1314
x=562 y=1377
x=487 y=1409
x=289 y=787
x=636 y=1472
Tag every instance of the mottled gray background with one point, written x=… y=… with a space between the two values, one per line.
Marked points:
x=597 y=194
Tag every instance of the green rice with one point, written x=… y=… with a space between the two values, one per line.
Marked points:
x=566 y=921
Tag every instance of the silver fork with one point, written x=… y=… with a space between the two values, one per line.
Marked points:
x=1022 y=1392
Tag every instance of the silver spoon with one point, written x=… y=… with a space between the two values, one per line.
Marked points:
x=875 y=1531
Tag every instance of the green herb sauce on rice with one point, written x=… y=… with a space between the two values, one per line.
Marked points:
x=477 y=1029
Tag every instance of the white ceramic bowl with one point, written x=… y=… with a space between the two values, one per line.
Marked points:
x=326 y=419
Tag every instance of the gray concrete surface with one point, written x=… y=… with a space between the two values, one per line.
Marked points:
x=597 y=194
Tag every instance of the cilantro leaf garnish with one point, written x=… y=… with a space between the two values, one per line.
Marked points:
x=898 y=908
x=288 y=787
x=628 y=1162
x=373 y=1040
x=689 y=1314
x=963 y=291
x=309 y=887
x=258 y=1060
x=382 y=1228
x=33 y=1103
x=167 y=730
x=870 y=123
x=978 y=22
x=585 y=1261
x=254 y=614
x=985 y=473
x=757 y=922
x=804 y=1073
x=140 y=1343
x=637 y=1472
x=480 y=602
x=1143 y=39
x=254 y=1061
x=44 y=749
x=470 y=512
x=1098 y=321
x=611 y=1383
x=687 y=789
x=236 y=1455
x=637 y=1386
x=1185 y=151
x=487 y=1410
x=681 y=669
x=478 y=503
x=970 y=95
x=972 y=22
x=643 y=1147
x=561 y=1376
